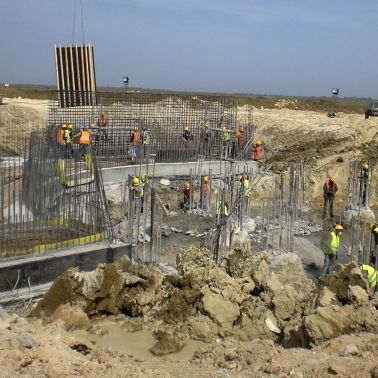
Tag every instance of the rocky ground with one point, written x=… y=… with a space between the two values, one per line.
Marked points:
x=261 y=316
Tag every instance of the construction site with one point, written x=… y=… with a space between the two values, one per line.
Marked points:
x=148 y=233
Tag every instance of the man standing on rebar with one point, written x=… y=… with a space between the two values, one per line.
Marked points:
x=238 y=142
x=137 y=193
x=329 y=190
x=102 y=124
x=187 y=196
x=145 y=140
x=257 y=151
x=61 y=143
x=135 y=142
x=204 y=193
x=226 y=142
x=205 y=139
x=365 y=184
x=85 y=140
x=187 y=138
x=68 y=137
x=330 y=248
x=374 y=234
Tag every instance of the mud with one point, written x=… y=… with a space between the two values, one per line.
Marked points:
x=247 y=297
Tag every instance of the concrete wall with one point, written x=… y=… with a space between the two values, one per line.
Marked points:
x=166 y=170
x=47 y=267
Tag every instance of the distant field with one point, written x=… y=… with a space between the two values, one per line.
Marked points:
x=353 y=106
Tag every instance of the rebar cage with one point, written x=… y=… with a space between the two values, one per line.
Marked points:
x=161 y=119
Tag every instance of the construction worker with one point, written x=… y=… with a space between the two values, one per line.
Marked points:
x=187 y=195
x=137 y=192
x=329 y=190
x=257 y=151
x=330 y=249
x=238 y=142
x=205 y=139
x=145 y=141
x=187 y=138
x=95 y=133
x=365 y=184
x=222 y=214
x=68 y=138
x=373 y=253
x=226 y=142
x=135 y=142
x=204 y=195
x=61 y=143
x=372 y=275
x=102 y=124
x=85 y=140
x=247 y=186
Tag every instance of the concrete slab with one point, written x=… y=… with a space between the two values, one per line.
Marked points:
x=167 y=170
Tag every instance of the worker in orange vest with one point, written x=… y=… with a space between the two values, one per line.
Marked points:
x=204 y=193
x=134 y=143
x=85 y=140
x=238 y=141
x=102 y=124
x=329 y=190
x=61 y=143
x=257 y=151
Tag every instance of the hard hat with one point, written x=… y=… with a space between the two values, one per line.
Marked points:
x=240 y=178
x=135 y=181
x=206 y=179
x=365 y=166
x=186 y=129
x=64 y=126
x=258 y=142
x=372 y=225
x=70 y=127
x=187 y=186
x=332 y=178
x=339 y=227
x=93 y=125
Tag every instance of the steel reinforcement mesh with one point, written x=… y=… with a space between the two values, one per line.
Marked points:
x=163 y=117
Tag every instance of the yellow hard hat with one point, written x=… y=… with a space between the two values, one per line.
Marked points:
x=339 y=227
x=258 y=142
x=135 y=181
x=372 y=225
x=92 y=125
x=240 y=178
x=186 y=129
x=206 y=179
x=64 y=126
x=70 y=127
x=332 y=178
x=187 y=186
x=365 y=166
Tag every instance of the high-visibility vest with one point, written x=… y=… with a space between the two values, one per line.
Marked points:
x=136 y=138
x=372 y=275
x=138 y=191
x=146 y=138
x=225 y=209
x=247 y=188
x=333 y=246
x=67 y=136
x=226 y=136
x=328 y=185
x=60 y=137
x=85 y=137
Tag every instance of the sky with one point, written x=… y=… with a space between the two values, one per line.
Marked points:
x=274 y=47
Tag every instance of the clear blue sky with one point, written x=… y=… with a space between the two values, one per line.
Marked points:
x=299 y=48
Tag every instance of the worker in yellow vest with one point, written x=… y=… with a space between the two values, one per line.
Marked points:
x=330 y=249
x=372 y=275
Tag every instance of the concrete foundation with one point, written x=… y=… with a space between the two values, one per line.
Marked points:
x=15 y=273
x=166 y=170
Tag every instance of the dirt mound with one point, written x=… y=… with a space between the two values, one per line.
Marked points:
x=246 y=298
